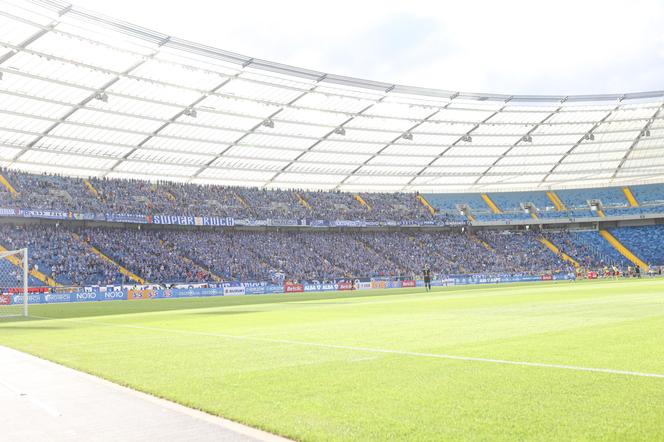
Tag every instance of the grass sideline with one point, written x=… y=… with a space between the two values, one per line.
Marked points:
x=247 y=359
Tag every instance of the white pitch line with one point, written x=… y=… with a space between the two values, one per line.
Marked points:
x=374 y=350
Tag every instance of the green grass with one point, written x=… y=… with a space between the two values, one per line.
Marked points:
x=236 y=357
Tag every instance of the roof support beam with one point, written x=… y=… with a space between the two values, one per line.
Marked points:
x=570 y=150
x=277 y=120
x=249 y=132
x=34 y=37
x=374 y=155
x=203 y=153
x=325 y=137
x=142 y=34
x=458 y=140
x=504 y=154
x=252 y=100
x=110 y=157
x=655 y=170
x=86 y=100
x=165 y=125
x=636 y=141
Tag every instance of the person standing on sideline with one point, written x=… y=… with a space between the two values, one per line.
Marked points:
x=426 y=272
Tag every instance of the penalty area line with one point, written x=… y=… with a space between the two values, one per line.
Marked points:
x=370 y=349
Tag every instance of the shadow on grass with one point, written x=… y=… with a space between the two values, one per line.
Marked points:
x=111 y=308
x=28 y=327
x=226 y=312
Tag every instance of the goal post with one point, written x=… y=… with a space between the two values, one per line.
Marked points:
x=14 y=279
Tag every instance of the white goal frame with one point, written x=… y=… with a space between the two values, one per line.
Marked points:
x=24 y=251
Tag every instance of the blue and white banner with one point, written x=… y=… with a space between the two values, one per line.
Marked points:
x=126 y=218
x=45 y=214
x=192 y=220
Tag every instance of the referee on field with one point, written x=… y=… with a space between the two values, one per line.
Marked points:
x=427 y=278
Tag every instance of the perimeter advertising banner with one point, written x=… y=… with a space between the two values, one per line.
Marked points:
x=58 y=297
x=316 y=286
x=114 y=296
x=292 y=287
x=141 y=294
x=385 y=283
x=234 y=291
x=274 y=288
x=87 y=296
x=255 y=288
x=40 y=295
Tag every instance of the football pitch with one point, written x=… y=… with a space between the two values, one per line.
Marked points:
x=545 y=361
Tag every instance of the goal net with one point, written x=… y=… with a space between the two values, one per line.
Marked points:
x=14 y=283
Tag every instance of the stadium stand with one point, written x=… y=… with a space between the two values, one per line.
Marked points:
x=55 y=252
x=94 y=195
x=74 y=256
x=190 y=256
x=588 y=248
x=579 y=198
x=646 y=242
x=70 y=255
x=512 y=201
x=649 y=194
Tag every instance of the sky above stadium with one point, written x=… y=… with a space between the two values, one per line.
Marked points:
x=507 y=46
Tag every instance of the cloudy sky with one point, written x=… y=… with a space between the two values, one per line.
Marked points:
x=501 y=46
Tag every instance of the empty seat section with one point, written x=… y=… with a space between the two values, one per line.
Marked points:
x=588 y=248
x=646 y=242
x=448 y=201
x=511 y=201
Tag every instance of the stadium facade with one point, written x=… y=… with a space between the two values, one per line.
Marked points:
x=133 y=156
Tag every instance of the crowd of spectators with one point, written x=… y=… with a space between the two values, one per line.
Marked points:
x=518 y=251
x=167 y=256
x=123 y=196
x=56 y=252
x=48 y=192
x=145 y=254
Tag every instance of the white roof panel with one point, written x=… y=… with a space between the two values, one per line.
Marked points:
x=81 y=94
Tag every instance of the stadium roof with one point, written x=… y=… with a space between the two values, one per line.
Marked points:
x=86 y=95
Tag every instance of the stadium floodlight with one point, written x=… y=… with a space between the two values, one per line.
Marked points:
x=407 y=136
x=190 y=112
x=340 y=131
x=101 y=96
x=268 y=123
x=14 y=283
